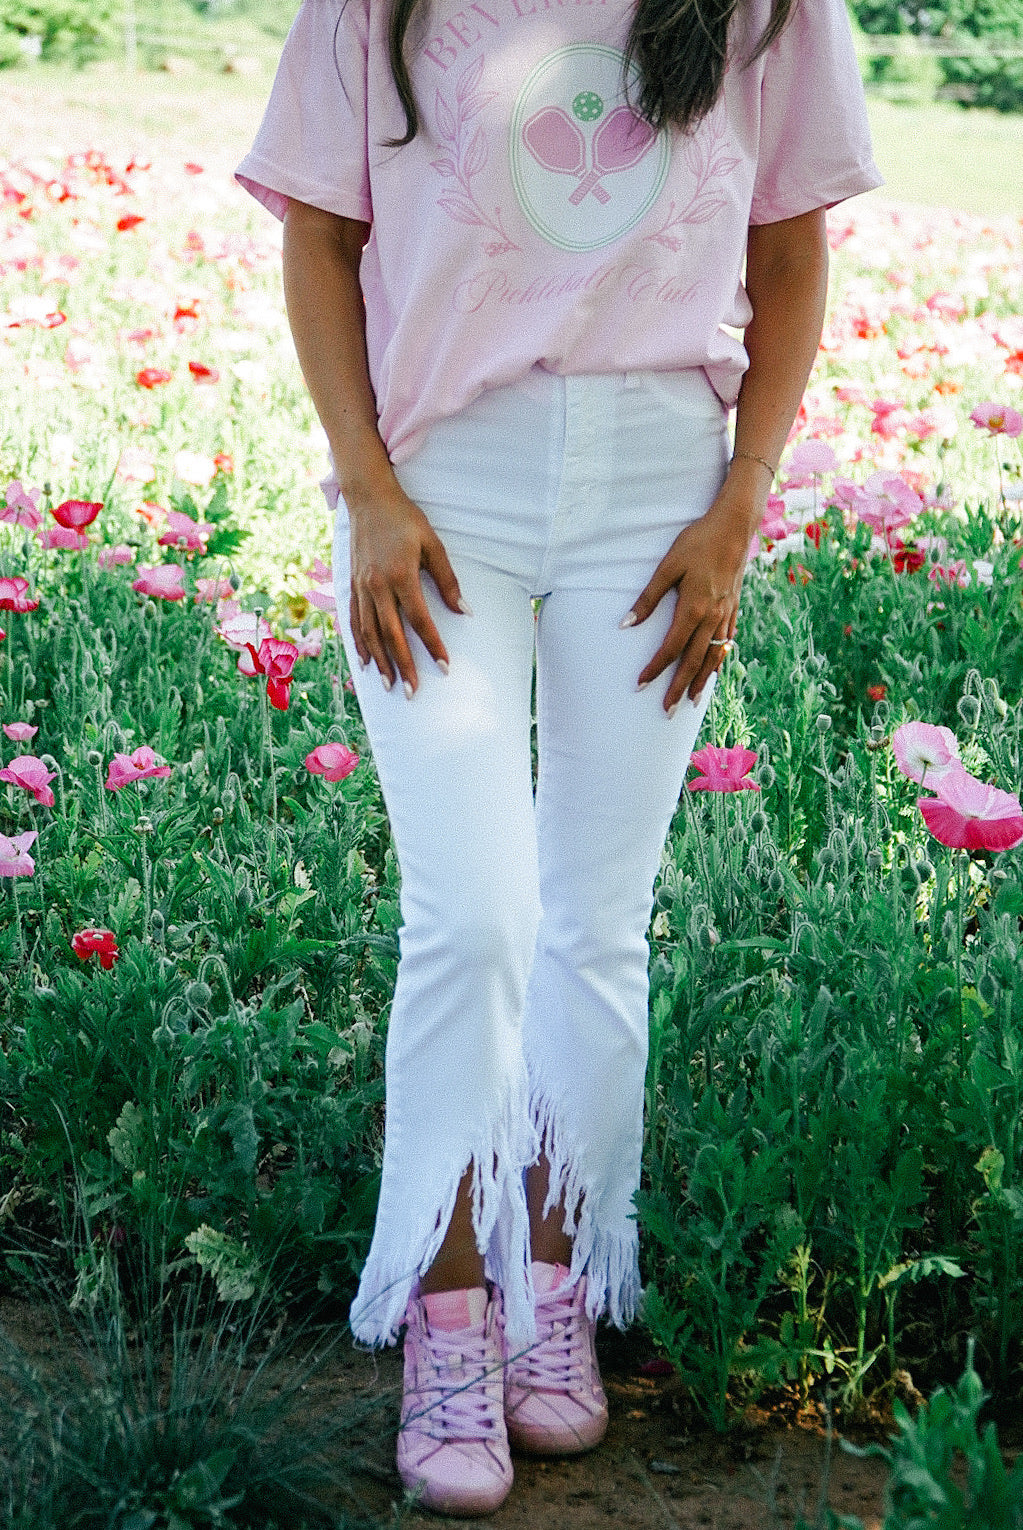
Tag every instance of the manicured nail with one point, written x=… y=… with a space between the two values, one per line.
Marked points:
x=409 y=692
x=641 y=685
x=672 y=710
x=464 y=606
x=442 y=665
x=386 y=682
x=628 y=620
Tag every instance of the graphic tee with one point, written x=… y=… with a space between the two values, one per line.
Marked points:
x=536 y=219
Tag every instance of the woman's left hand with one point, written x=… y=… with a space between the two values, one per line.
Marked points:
x=705 y=566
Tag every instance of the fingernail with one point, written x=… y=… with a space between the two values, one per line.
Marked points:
x=672 y=710
x=464 y=606
x=442 y=665
x=386 y=682
x=628 y=620
x=641 y=685
x=409 y=692
x=363 y=663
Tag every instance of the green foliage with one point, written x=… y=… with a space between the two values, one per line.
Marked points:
x=74 y=29
x=977 y=77
x=946 y=1472
x=180 y=1418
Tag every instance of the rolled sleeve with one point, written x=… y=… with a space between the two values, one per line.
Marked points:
x=312 y=144
x=814 y=146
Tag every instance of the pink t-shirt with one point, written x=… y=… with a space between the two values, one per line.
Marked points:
x=535 y=220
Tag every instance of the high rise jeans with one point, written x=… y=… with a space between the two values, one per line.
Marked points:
x=520 y=1013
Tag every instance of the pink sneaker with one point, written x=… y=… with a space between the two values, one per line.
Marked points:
x=554 y=1403
x=452 y=1443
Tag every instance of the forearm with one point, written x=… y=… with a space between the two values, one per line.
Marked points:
x=786 y=278
x=327 y=318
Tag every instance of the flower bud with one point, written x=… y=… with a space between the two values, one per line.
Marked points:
x=765 y=776
x=776 y=881
x=969 y=710
x=94 y=758
x=758 y=822
x=874 y=859
x=145 y=826
x=198 y=995
x=218 y=816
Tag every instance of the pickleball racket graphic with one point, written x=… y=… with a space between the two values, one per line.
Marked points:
x=557 y=144
x=620 y=142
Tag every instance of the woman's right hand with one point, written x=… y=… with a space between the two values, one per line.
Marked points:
x=392 y=543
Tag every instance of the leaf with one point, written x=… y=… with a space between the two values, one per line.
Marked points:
x=703 y=209
x=470 y=79
x=223 y=543
x=444 y=167
x=461 y=210
x=241 y=1128
x=476 y=157
x=473 y=108
x=445 y=119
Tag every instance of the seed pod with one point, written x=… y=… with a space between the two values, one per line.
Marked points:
x=94 y=758
x=823 y=723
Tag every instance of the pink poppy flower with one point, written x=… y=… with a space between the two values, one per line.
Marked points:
x=125 y=768
x=774 y=525
x=971 y=815
x=331 y=761
x=242 y=629
x=152 y=513
x=954 y=573
x=924 y=749
x=65 y=537
x=275 y=659
x=74 y=514
x=95 y=942
x=14 y=595
x=321 y=592
x=308 y=644
x=888 y=502
x=15 y=860
x=181 y=529
x=152 y=377
x=210 y=590
x=724 y=770
x=109 y=557
x=22 y=506
x=164 y=581
x=812 y=457
x=20 y=732
x=25 y=770
x=999 y=419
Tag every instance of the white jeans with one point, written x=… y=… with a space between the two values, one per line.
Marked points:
x=520 y=1011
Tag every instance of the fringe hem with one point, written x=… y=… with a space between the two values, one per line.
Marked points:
x=607 y=1256
x=500 y=1221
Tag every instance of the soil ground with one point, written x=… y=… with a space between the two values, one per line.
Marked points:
x=657 y=1469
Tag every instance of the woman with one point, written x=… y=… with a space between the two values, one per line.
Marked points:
x=514 y=235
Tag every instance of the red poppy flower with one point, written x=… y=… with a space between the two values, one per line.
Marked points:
x=128 y=222
x=73 y=514
x=95 y=942
x=152 y=377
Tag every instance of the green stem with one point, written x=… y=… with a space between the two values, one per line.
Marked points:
x=17 y=921
x=268 y=758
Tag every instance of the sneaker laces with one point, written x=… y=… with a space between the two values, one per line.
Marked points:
x=456 y=1402
x=557 y=1362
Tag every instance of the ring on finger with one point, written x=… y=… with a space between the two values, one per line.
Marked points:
x=725 y=644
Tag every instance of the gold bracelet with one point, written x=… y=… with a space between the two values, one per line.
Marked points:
x=752 y=457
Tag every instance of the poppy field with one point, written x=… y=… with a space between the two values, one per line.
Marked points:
x=198 y=896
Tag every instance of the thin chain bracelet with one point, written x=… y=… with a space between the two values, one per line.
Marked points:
x=752 y=457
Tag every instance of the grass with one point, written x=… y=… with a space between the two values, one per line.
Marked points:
x=944 y=156
x=937 y=154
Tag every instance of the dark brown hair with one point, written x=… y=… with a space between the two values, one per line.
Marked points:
x=680 y=48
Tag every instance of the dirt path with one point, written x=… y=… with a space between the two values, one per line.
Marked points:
x=655 y=1471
